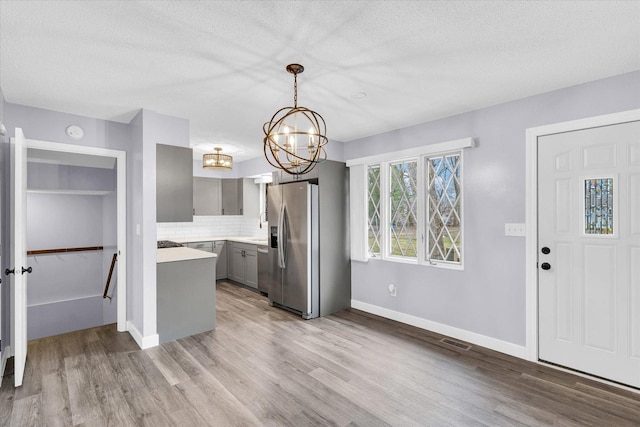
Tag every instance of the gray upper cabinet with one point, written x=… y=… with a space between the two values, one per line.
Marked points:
x=174 y=184
x=207 y=196
x=250 y=198
x=229 y=196
x=232 y=197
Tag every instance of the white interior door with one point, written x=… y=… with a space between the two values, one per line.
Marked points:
x=18 y=248
x=589 y=251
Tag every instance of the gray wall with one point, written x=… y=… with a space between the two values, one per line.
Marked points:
x=488 y=297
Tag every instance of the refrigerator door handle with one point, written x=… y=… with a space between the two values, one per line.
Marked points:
x=281 y=242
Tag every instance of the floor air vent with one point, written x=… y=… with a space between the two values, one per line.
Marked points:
x=455 y=344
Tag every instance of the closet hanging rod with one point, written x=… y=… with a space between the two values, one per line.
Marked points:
x=61 y=250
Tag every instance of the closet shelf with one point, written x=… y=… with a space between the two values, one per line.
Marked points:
x=69 y=192
x=61 y=250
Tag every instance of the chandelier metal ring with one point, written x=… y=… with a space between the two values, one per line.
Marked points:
x=295 y=137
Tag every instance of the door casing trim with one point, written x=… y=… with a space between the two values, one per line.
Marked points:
x=121 y=203
x=531 y=210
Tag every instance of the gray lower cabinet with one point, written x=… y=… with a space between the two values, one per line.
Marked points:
x=251 y=268
x=219 y=247
x=243 y=263
x=186 y=297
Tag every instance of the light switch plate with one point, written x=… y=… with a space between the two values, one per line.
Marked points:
x=515 y=229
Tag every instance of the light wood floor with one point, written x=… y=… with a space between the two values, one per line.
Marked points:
x=264 y=366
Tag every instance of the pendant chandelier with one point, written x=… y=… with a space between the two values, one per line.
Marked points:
x=217 y=161
x=295 y=137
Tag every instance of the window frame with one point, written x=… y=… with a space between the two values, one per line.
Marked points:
x=385 y=206
x=384 y=161
x=444 y=263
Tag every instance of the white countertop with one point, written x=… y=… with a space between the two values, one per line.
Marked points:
x=181 y=254
x=243 y=239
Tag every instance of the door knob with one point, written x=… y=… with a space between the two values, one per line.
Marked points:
x=545 y=250
x=27 y=270
x=545 y=266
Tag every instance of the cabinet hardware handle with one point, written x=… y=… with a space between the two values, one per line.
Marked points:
x=8 y=272
x=27 y=270
x=545 y=266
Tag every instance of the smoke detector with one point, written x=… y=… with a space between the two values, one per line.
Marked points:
x=75 y=132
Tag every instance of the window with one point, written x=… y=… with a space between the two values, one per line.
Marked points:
x=407 y=206
x=413 y=206
x=444 y=216
x=403 y=198
x=373 y=202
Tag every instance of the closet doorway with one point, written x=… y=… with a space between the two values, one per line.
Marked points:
x=76 y=225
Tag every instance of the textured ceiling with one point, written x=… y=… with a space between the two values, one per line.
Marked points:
x=220 y=64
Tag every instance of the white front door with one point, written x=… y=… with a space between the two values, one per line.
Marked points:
x=18 y=248
x=589 y=251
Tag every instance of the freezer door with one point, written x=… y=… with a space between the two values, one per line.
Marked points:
x=273 y=280
x=296 y=241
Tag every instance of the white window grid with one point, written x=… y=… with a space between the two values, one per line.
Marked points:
x=421 y=232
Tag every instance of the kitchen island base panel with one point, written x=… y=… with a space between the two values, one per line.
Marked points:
x=186 y=298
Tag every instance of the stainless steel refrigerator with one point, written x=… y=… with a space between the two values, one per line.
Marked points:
x=293 y=279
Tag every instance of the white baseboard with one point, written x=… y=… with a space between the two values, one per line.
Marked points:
x=143 y=342
x=460 y=334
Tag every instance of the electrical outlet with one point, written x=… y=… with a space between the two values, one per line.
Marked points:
x=393 y=290
x=516 y=229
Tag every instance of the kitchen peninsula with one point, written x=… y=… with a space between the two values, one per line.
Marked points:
x=186 y=292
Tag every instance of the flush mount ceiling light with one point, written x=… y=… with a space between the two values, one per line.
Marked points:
x=217 y=161
x=295 y=137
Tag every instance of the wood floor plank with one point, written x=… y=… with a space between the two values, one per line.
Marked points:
x=27 y=412
x=82 y=396
x=55 y=399
x=266 y=366
x=169 y=368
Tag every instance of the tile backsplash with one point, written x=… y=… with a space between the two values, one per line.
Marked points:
x=212 y=226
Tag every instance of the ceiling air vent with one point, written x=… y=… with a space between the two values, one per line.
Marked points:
x=457 y=344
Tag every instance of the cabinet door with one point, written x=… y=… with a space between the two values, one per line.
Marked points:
x=250 y=198
x=251 y=268
x=237 y=266
x=221 y=264
x=229 y=251
x=207 y=196
x=174 y=184
x=232 y=197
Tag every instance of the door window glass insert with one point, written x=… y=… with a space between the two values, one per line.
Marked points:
x=598 y=206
